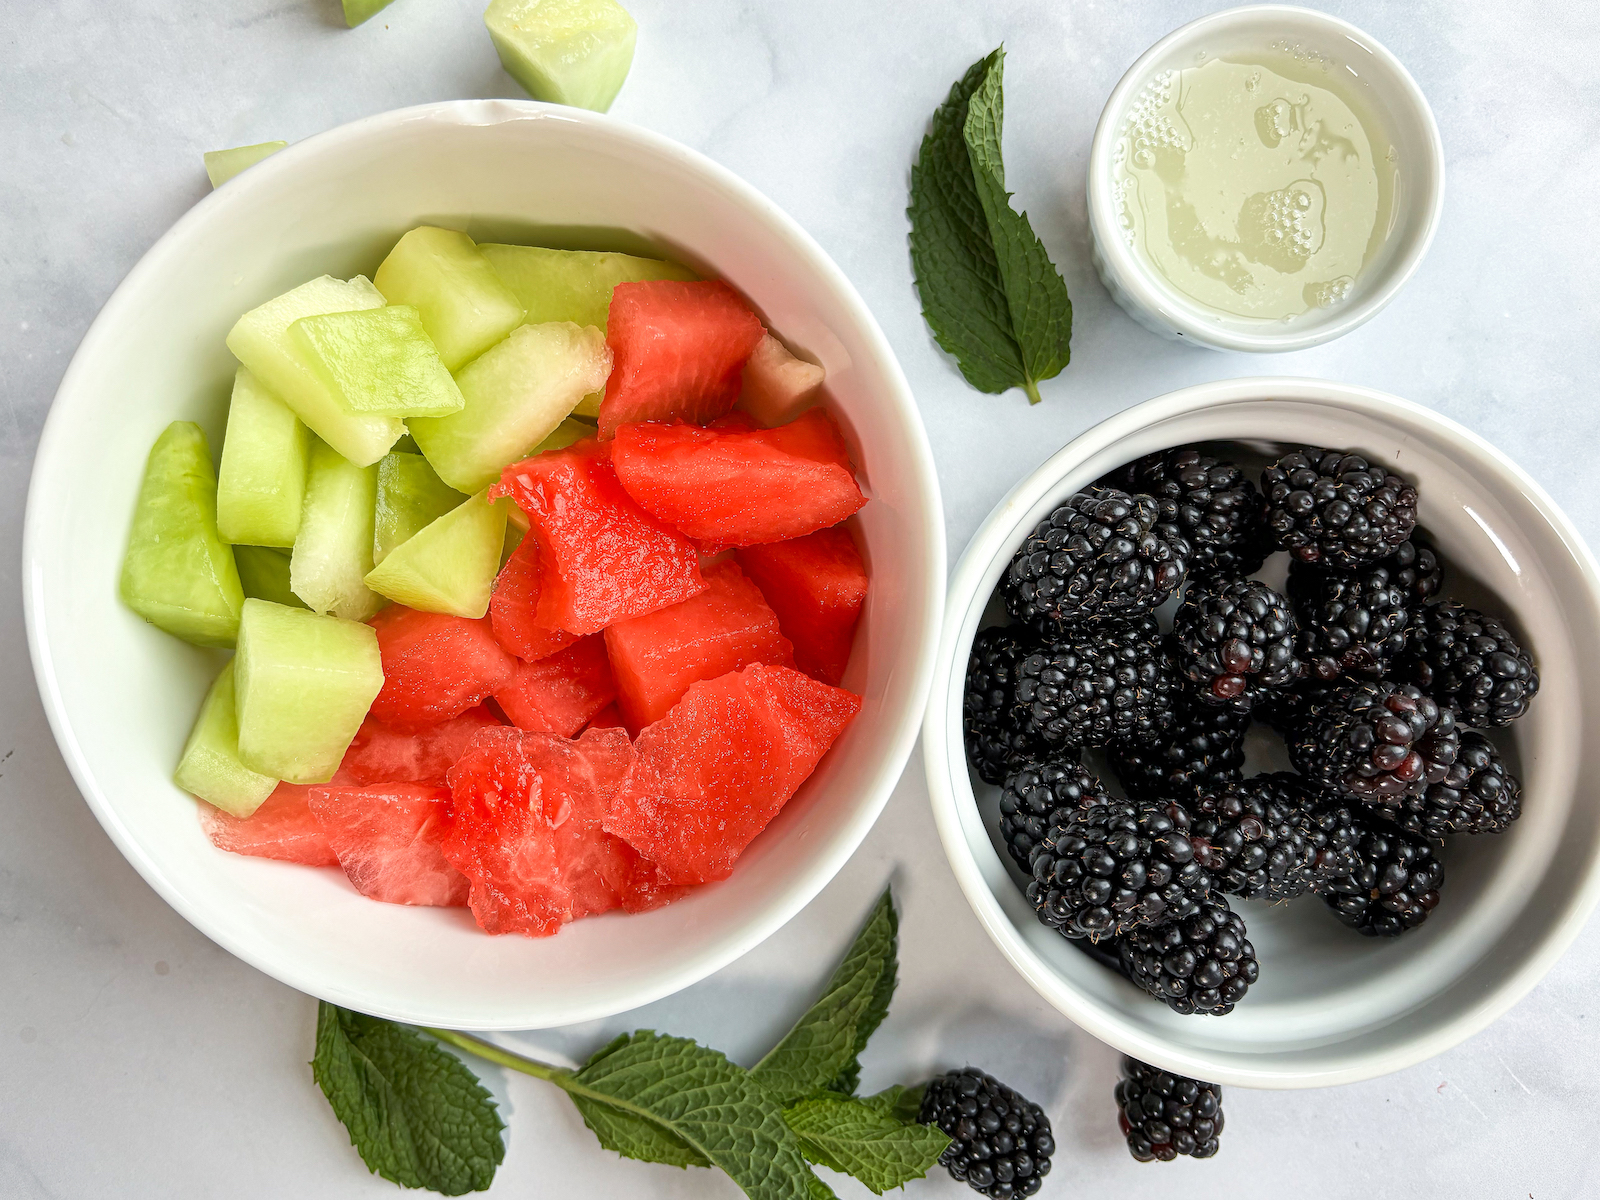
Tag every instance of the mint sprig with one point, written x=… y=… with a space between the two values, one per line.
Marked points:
x=989 y=291
x=860 y=1140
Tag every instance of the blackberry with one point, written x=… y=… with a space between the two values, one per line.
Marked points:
x=1037 y=796
x=1351 y=623
x=1415 y=569
x=1477 y=795
x=1202 y=964
x=1000 y=1143
x=1109 y=681
x=1256 y=839
x=1098 y=557
x=1235 y=640
x=1217 y=510
x=1336 y=830
x=1470 y=662
x=1376 y=741
x=1326 y=506
x=996 y=738
x=1205 y=746
x=1393 y=888
x=1287 y=710
x=1164 y=1115
x=1112 y=867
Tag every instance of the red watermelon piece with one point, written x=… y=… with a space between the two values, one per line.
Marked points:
x=435 y=666
x=560 y=693
x=817 y=585
x=514 y=608
x=711 y=774
x=389 y=840
x=602 y=558
x=609 y=717
x=736 y=421
x=282 y=828
x=678 y=351
x=656 y=657
x=380 y=754
x=739 y=489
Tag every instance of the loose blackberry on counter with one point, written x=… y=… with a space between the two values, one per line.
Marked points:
x=1256 y=839
x=1109 y=681
x=1329 y=507
x=1351 y=622
x=1205 y=746
x=1477 y=795
x=1037 y=796
x=1469 y=661
x=1098 y=557
x=1202 y=964
x=1394 y=886
x=1415 y=569
x=1235 y=641
x=1164 y=1115
x=996 y=737
x=1113 y=867
x=1000 y=1142
x=1376 y=741
x=1218 y=511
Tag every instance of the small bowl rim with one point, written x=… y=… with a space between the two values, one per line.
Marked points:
x=1186 y=318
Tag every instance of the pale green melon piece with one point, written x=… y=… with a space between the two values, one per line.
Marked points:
x=177 y=573
x=223 y=165
x=378 y=362
x=357 y=11
x=565 y=51
x=303 y=684
x=514 y=535
x=210 y=766
x=410 y=498
x=261 y=485
x=464 y=305
x=517 y=394
x=334 y=549
x=261 y=341
x=450 y=566
x=264 y=574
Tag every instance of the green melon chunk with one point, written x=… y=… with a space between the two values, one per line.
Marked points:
x=357 y=11
x=334 y=549
x=178 y=574
x=223 y=165
x=261 y=484
x=514 y=535
x=563 y=435
x=463 y=304
x=450 y=566
x=410 y=498
x=303 y=685
x=264 y=574
x=379 y=362
x=261 y=341
x=565 y=51
x=210 y=766
x=517 y=394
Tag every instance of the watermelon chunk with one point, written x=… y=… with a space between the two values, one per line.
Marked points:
x=656 y=657
x=602 y=558
x=739 y=488
x=560 y=693
x=817 y=585
x=435 y=666
x=389 y=840
x=678 y=351
x=711 y=774
x=609 y=717
x=514 y=608
x=282 y=828
x=380 y=754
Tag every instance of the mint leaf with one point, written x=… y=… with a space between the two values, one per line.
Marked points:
x=852 y=1137
x=820 y=1050
x=820 y=1190
x=902 y=1104
x=416 y=1114
x=636 y=1137
x=989 y=292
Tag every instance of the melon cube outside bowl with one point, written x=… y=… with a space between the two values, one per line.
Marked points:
x=121 y=695
x=1331 y=1006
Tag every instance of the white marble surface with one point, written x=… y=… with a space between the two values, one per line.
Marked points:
x=137 y=1059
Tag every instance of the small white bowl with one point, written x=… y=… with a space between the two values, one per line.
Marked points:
x=121 y=695
x=1382 y=86
x=1331 y=1006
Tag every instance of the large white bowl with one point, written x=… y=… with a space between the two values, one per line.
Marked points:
x=121 y=695
x=1331 y=1006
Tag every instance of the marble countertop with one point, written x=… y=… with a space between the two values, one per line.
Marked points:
x=138 y=1059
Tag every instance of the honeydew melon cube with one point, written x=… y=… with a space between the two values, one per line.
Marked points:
x=210 y=766
x=264 y=573
x=303 y=683
x=261 y=485
x=333 y=551
x=410 y=498
x=378 y=362
x=262 y=342
x=464 y=305
x=223 y=165
x=357 y=11
x=565 y=51
x=777 y=386
x=450 y=566
x=516 y=395
x=177 y=572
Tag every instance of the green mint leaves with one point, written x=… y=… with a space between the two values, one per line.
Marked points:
x=989 y=292
x=880 y=1150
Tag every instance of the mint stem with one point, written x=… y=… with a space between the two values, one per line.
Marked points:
x=505 y=1058
x=1030 y=386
